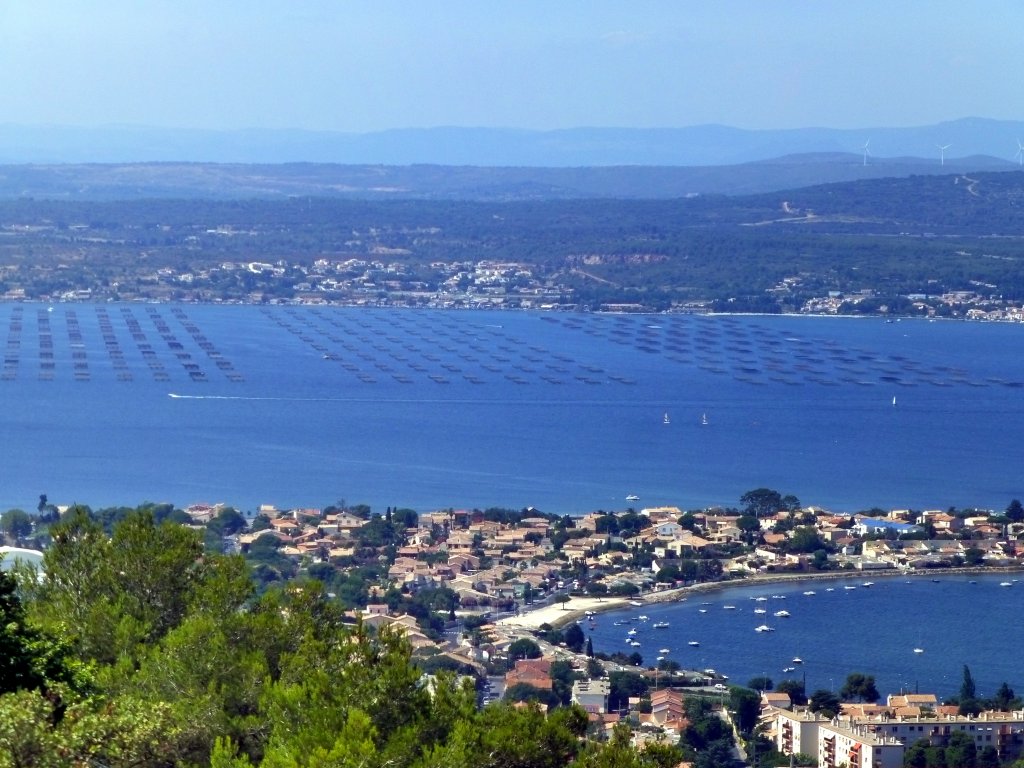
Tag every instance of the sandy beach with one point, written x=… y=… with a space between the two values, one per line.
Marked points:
x=558 y=614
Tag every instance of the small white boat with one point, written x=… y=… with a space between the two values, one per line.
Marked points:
x=830 y=589
x=642 y=617
x=666 y=419
x=635 y=603
x=693 y=643
x=789 y=669
x=797 y=660
x=728 y=607
x=760 y=610
x=660 y=624
x=919 y=650
x=850 y=586
x=782 y=614
x=635 y=643
x=1006 y=584
x=664 y=650
x=631 y=632
x=632 y=497
x=809 y=592
x=763 y=628
x=868 y=584
x=704 y=419
x=702 y=610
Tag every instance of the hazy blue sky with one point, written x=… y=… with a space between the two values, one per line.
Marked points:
x=374 y=64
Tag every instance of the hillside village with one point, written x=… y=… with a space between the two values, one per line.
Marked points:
x=461 y=585
x=499 y=596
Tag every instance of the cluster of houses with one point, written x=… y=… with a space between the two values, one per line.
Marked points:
x=878 y=735
x=492 y=564
x=489 y=563
x=662 y=719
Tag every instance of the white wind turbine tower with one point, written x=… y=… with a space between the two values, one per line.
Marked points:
x=1020 y=152
x=942 y=152
x=866 y=151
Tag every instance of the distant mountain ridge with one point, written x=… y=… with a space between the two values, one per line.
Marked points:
x=223 y=181
x=702 y=145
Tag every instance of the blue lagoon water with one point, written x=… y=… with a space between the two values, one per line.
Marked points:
x=842 y=628
x=117 y=404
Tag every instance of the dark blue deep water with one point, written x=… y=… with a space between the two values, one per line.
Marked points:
x=954 y=620
x=119 y=404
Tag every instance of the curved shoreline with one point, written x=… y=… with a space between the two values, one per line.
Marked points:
x=578 y=607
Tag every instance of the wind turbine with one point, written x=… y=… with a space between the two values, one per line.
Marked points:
x=942 y=152
x=867 y=151
x=1020 y=152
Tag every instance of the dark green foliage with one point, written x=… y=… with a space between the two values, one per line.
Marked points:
x=523 y=648
x=575 y=638
x=762 y=502
x=824 y=702
x=228 y=522
x=623 y=685
x=805 y=539
x=705 y=728
x=763 y=683
x=968 y=702
x=16 y=524
x=1004 y=698
x=29 y=659
x=961 y=751
x=916 y=754
x=192 y=667
x=1015 y=511
x=859 y=687
x=795 y=688
x=745 y=706
x=988 y=757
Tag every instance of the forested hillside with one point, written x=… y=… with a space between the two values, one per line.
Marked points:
x=771 y=252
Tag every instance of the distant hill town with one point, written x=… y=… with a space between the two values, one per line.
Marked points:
x=922 y=245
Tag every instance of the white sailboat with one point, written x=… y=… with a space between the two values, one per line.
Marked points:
x=704 y=419
x=666 y=419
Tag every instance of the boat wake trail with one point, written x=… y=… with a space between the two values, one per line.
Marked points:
x=176 y=396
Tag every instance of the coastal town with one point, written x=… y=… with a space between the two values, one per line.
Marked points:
x=482 y=284
x=522 y=582
x=500 y=596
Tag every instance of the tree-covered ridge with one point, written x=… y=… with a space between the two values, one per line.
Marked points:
x=884 y=238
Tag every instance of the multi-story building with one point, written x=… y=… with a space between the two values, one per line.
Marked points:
x=879 y=741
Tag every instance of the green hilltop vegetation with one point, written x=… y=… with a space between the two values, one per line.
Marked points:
x=140 y=649
x=886 y=239
x=139 y=643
